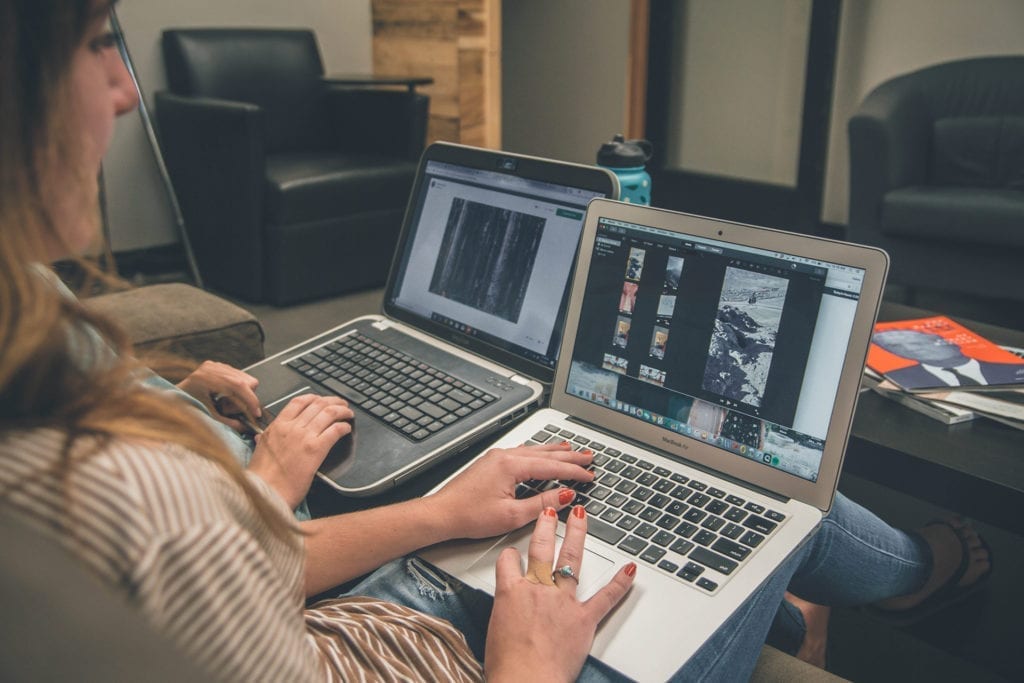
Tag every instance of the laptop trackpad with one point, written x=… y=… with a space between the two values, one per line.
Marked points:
x=595 y=572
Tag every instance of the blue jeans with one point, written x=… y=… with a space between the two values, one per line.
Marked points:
x=854 y=558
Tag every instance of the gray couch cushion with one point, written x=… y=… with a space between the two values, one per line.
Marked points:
x=185 y=320
x=969 y=215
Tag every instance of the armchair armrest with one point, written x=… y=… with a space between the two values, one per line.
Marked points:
x=889 y=146
x=389 y=122
x=215 y=155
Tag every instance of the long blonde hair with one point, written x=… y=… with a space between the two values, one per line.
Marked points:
x=43 y=383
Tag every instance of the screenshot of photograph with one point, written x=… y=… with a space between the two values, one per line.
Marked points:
x=652 y=375
x=627 y=302
x=615 y=363
x=659 y=339
x=635 y=264
x=666 y=305
x=621 y=336
x=488 y=255
x=673 y=271
x=743 y=340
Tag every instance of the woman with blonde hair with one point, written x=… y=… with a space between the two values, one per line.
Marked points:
x=145 y=489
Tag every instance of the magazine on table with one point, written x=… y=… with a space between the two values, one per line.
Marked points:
x=946 y=413
x=938 y=354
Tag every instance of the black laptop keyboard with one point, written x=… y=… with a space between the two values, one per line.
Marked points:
x=408 y=395
x=680 y=525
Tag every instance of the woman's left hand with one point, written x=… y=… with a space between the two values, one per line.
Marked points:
x=224 y=390
x=539 y=630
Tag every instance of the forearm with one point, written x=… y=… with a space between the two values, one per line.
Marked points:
x=343 y=547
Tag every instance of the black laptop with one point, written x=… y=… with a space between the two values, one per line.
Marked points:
x=472 y=321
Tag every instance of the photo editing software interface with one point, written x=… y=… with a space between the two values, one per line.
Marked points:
x=737 y=347
x=491 y=256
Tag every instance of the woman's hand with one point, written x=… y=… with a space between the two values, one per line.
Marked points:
x=224 y=391
x=539 y=630
x=481 y=501
x=290 y=450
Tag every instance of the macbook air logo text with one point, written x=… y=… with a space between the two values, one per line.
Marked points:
x=677 y=444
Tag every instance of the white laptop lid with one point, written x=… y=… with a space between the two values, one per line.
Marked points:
x=734 y=347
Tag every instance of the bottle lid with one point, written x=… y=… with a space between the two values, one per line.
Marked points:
x=622 y=153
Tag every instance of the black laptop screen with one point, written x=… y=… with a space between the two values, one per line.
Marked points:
x=489 y=257
x=738 y=347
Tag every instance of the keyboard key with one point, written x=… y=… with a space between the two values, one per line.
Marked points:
x=722 y=565
x=650 y=514
x=774 y=516
x=686 y=529
x=707 y=584
x=628 y=523
x=616 y=500
x=694 y=515
x=676 y=508
x=759 y=524
x=731 y=549
x=668 y=566
x=611 y=515
x=716 y=493
x=697 y=485
x=652 y=554
x=732 y=531
x=668 y=522
x=716 y=507
x=605 y=532
x=735 y=514
x=755 y=508
x=663 y=538
x=645 y=530
x=633 y=545
x=681 y=546
x=595 y=507
x=633 y=507
x=659 y=501
x=752 y=538
x=704 y=537
x=713 y=523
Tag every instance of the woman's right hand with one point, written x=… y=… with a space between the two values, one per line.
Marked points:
x=539 y=630
x=290 y=450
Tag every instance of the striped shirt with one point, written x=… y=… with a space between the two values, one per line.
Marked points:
x=178 y=537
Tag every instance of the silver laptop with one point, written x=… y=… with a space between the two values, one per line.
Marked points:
x=472 y=321
x=713 y=368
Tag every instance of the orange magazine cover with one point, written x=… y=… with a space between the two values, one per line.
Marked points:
x=934 y=353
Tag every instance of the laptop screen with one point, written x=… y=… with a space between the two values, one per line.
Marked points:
x=488 y=253
x=740 y=348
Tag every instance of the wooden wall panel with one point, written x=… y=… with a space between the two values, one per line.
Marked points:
x=457 y=43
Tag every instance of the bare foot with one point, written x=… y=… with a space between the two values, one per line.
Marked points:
x=947 y=552
x=812 y=650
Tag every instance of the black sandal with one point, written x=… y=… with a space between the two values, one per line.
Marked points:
x=948 y=594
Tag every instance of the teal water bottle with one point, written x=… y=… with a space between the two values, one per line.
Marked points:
x=627 y=160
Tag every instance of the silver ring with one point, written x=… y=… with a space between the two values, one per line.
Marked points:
x=566 y=572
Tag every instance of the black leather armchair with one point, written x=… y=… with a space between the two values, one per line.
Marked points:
x=291 y=188
x=937 y=176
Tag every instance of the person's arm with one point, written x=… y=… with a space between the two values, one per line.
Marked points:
x=478 y=503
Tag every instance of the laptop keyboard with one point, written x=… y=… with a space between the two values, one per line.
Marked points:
x=408 y=395
x=698 y=533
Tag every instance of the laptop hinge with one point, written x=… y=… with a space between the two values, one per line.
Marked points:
x=689 y=463
x=519 y=379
